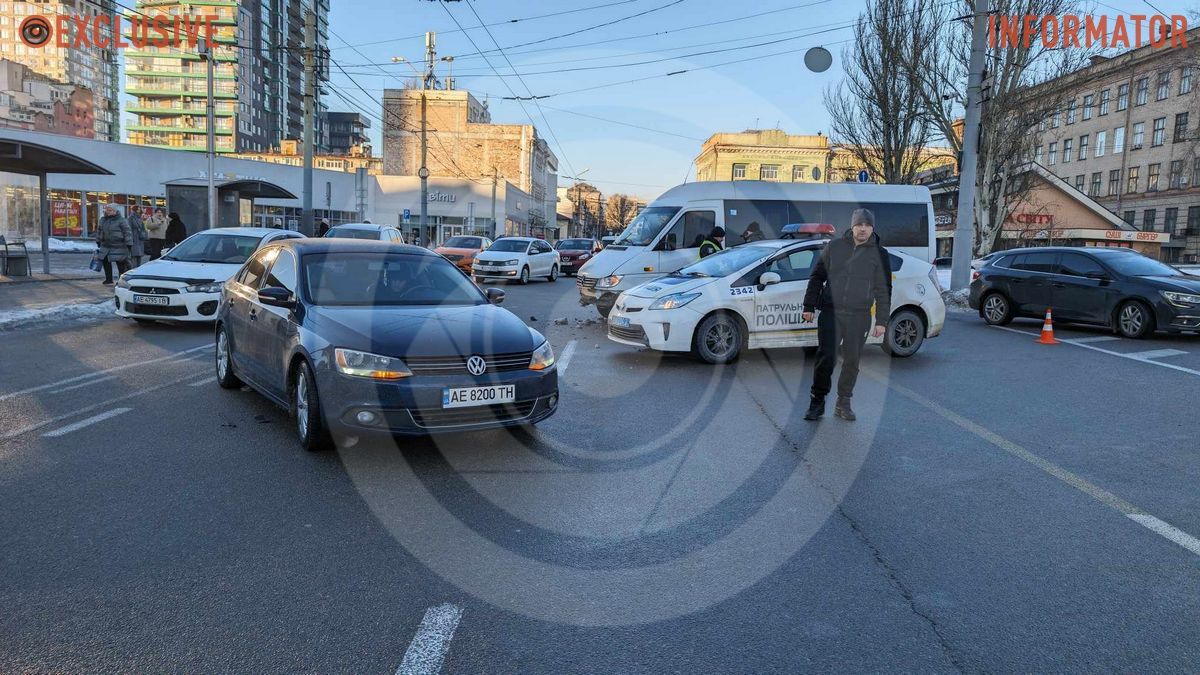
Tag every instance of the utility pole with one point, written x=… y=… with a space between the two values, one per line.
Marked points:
x=964 y=231
x=206 y=52
x=423 y=173
x=495 y=179
x=310 y=112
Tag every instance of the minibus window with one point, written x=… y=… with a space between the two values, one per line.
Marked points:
x=644 y=228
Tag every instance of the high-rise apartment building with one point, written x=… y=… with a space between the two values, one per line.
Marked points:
x=88 y=67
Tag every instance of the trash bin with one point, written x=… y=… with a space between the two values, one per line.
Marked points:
x=16 y=267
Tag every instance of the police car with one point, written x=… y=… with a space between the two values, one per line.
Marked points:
x=752 y=296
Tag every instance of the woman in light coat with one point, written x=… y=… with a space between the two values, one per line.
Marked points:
x=113 y=242
x=156 y=229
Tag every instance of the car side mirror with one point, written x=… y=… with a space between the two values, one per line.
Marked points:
x=495 y=296
x=277 y=297
x=769 y=279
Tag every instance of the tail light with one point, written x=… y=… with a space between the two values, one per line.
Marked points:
x=974 y=275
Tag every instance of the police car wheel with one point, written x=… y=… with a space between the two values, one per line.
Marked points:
x=905 y=334
x=718 y=339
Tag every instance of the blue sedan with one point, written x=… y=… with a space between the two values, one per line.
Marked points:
x=355 y=337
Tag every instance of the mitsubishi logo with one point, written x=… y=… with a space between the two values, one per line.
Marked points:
x=476 y=365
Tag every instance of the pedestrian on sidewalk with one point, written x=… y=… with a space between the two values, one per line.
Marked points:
x=176 y=231
x=156 y=231
x=714 y=243
x=113 y=242
x=137 y=227
x=852 y=274
x=323 y=227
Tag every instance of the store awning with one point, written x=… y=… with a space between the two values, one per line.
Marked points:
x=255 y=189
x=33 y=159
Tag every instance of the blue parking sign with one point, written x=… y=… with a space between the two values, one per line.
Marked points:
x=407 y=215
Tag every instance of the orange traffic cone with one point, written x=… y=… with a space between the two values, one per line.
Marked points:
x=1047 y=337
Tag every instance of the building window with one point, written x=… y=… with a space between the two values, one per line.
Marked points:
x=1143 y=91
x=1170 y=220
x=1118 y=140
x=1079 y=182
x=1083 y=147
x=1087 y=106
x=769 y=172
x=1193 y=221
x=1101 y=138
x=1152 y=177
x=1131 y=181
x=1122 y=97
x=1097 y=180
x=1128 y=217
x=1148 y=217
x=1104 y=102
x=1185 y=81
x=1038 y=157
x=1054 y=120
x=739 y=171
x=1114 y=182
x=1139 y=136
x=1067 y=150
x=1160 y=132
x=1177 y=179
x=1196 y=171
x=1164 y=85
x=1181 y=125
x=1071 y=112
x=1053 y=154
x=798 y=173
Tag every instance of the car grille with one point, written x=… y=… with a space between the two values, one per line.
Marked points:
x=154 y=290
x=454 y=417
x=634 y=333
x=156 y=310
x=455 y=365
x=585 y=282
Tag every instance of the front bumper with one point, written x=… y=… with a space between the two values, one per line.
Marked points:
x=666 y=330
x=413 y=406
x=1177 y=318
x=495 y=272
x=181 y=306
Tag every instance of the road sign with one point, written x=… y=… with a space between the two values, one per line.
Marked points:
x=407 y=215
x=863 y=176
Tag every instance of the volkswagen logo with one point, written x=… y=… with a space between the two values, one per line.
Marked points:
x=476 y=365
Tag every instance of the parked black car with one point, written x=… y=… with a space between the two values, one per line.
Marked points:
x=356 y=336
x=1116 y=287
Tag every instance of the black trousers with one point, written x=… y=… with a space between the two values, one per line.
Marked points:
x=154 y=248
x=849 y=329
x=122 y=267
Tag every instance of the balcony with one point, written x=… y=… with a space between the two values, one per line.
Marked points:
x=221 y=130
x=198 y=111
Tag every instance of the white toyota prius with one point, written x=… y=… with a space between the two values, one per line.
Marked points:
x=752 y=296
x=185 y=284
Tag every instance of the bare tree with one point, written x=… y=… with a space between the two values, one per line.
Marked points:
x=619 y=210
x=877 y=111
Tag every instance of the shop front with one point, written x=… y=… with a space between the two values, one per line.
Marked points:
x=455 y=206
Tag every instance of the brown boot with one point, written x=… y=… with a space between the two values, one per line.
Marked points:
x=842 y=409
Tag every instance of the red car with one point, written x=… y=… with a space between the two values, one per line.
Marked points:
x=573 y=253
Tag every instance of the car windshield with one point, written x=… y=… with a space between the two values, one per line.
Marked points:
x=352 y=233
x=1136 y=265
x=574 y=245
x=462 y=242
x=228 y=249
x=510 y=246
x=726 y=262
x=644 y=228
x=386 y=279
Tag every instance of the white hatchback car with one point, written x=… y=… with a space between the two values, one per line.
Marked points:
x=185 y=284
x=752 y=296
x=366 y=231
x=516 y=258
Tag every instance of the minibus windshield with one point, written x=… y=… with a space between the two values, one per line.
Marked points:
x=644 y=228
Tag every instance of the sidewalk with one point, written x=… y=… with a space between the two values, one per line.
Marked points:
x=71 y=289
x=63 y=266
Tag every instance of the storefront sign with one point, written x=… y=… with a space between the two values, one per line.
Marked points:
x=942 y=219
x=1126 y=235
x=65 y=218
x=1089 y=235
x=1034 y=218
x=439 y=196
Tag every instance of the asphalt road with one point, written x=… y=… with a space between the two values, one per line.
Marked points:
x=999 y=506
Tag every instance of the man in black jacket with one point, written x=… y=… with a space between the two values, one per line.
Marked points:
x=852 y=275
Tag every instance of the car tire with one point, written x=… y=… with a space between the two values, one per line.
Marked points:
x=524 y=276
x=604 y=309
x=306 y=410
x=996 y=309
x=1134 y=320
x=718 y=339
x=553 y=274
x=905 y=334
x=224 y=362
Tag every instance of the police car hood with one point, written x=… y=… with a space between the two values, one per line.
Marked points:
x=669 y=286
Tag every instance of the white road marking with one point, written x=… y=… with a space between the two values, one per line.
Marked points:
x=1167 y=530
x=1096 y=338
x=201 y=383
x=428 y=648
x=63 y=431
x=1156 y=354
x=84 y=384
x=87 y=376
x=1131 y=357
x=565 y=359
x=1094 y=491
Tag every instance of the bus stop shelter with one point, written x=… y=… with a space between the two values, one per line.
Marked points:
x=189 y=198
x=32 y=159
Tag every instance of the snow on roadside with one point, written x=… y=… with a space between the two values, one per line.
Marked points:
x=80 y=311
x=956 y=301
x=63 y=246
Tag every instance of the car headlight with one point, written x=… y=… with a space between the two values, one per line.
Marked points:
x=122 y=283
x=1181 y=299
x=205 y=288
x=609 y=282
x=510 y=262
x=373 y=366
x=674 y=300
x=585 y=256
x=543 y=357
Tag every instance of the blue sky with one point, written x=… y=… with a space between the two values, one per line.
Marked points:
x=765 y=89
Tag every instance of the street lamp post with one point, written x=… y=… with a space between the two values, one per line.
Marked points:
x=206 y=53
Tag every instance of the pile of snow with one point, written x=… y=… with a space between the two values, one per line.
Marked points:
x=82 y=311
x=63 y=246
x=956 y=301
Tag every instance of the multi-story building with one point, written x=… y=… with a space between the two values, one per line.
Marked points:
x=775 y=155
x=292 y=154
x=1127 y=137
x=347 y=133
x=87 y=67
x=464 y=143
x=583 y=205
x=37 y=103
x=258 y=77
